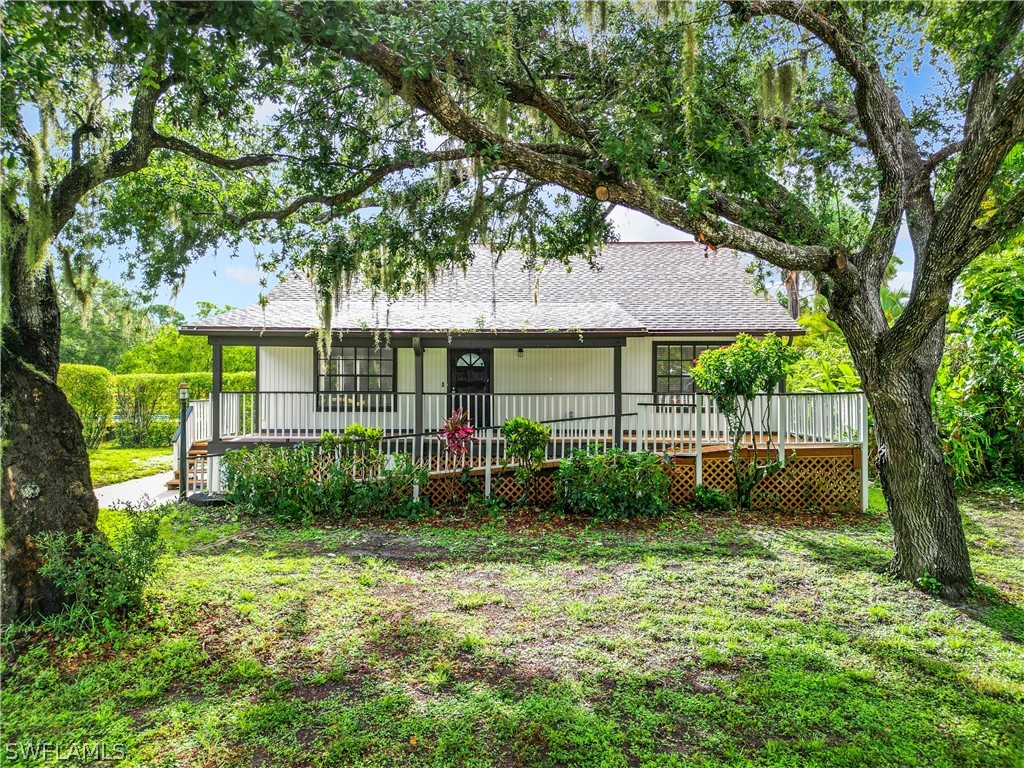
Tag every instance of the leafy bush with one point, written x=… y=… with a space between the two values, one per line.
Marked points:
x=281 y=482
x=103 y=581
x=525 y=443
x=612 y=484
x=525 y=440
x=457 y=433
x=90 y=390
x=158 y=433
x=143 y=398
x=298 y=484
x=360 y=444
x=710 y=499
x=979 y=392
x=389 y=493
x=161 y=389
x=138 y=403
x=733 y=376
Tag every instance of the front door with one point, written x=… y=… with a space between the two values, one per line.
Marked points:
x=469 y=377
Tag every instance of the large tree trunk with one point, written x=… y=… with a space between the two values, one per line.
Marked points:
x=46 y=482
x=918 y=488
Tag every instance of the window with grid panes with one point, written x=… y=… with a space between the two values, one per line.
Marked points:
x=672 y=363
x=356 y=377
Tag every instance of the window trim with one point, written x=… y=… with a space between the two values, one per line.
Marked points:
x=322 y=396
x=672 y=400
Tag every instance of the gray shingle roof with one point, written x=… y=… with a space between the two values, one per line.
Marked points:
x=637 y=287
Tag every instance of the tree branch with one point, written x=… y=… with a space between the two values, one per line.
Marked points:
x=1003 y=223
x=879 y=112
x=352 y=191
x=174 y=144
x=982 y=96
x=83 y=130
x=431 y=94
x=131 y=157
x=936 y=159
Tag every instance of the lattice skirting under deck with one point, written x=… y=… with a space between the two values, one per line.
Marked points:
x=813 y=479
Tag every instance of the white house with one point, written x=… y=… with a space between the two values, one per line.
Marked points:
x=601 y=354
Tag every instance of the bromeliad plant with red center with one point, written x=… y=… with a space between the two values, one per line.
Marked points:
x=457 y=433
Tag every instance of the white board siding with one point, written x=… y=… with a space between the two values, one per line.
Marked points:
x=286 y=369
x=291 y=369
x=637 y=364
x=556 y=371
x=585 y=369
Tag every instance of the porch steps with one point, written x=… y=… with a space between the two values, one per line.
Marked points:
x=198 y=449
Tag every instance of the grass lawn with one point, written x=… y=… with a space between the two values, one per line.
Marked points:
x=110 y=464
x=691 y=641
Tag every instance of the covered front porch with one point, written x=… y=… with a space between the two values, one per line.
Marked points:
x=679 y=424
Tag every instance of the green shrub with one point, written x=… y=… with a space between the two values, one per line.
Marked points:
x=90 y=390
x=143 y=398
x=389 y=493
x=360 y=444
x=103 y=581
x=710 y=499
x=161 y=389
x=158 y=434
x=280 y=482
x=138 y=404
x=295 y=484
x=733 y=376
x=612 y=484
x=978 y=398
x=525 y=440
x=525 y=443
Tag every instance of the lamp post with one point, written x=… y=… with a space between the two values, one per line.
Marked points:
x=183 y=445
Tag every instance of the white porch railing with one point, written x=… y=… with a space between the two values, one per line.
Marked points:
x=646 y=422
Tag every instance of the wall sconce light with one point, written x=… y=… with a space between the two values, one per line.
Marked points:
x=519 y=352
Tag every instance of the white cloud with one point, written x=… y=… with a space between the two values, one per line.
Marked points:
x=243 y=275
x=636 y=227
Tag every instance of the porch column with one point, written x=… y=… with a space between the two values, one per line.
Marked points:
x=215 y=392
x=865 y=445
x=617 y=392
x=417 y=426
x=256 y=396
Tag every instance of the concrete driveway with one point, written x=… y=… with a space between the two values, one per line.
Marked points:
x=148 y=491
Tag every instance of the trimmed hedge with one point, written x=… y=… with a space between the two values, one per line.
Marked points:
x=161 y=389
x=143 y=399
x=138 y=399
x=90 y=390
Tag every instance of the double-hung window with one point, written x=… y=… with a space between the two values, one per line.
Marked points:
x=360 y=378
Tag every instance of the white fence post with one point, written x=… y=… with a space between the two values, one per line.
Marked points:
x=698 y=458
x=864 y=452
x=487 y=464
x=782 y=431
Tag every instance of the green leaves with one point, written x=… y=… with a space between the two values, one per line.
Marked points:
x=744 y=369
x=734 y=376
x=979 y=392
